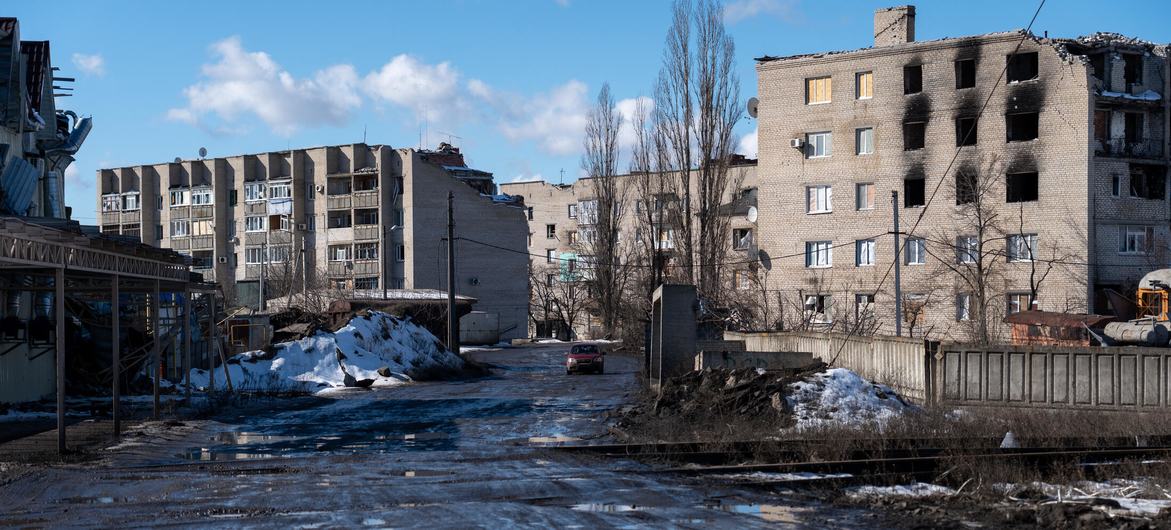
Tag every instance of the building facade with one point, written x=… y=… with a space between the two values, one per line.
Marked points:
x=1030 y=173
x=342 y=218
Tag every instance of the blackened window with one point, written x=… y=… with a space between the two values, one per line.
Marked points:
x=1021 y=187
x=965 y=131
x=965 y=73
x=1132 y=69
x=1022 y=67
x=1148 y=181
x=913 y=79
x=914 y=135
x=1134 y=127
x=914 y=192
x=1021 y=127
x=965 y=187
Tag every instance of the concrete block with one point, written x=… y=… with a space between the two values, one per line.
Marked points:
x=673 y=332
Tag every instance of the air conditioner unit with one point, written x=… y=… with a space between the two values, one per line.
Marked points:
x=796 y=143
x=320 y=188
x=302 y=227
x=222 y=259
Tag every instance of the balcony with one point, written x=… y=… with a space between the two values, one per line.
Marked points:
x=340 y=202
x=1123 y=148
x=202 y=242
x=365 y=199
x=366 y=232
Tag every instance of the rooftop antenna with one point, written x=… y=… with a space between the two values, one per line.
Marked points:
x=450 y=137
x=562 y=177
x=202 y=153
x=363 y=133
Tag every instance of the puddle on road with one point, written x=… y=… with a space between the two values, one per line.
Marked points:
x=606 y=507
x=768 y=512
x=212 y=454
x=91 y=500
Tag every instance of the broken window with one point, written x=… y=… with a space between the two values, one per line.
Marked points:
x=965 y=131
x=1101 y=125
x=551 y=231
x=1134 y=127
x=366 y=216
x=914 y=192
x=340 y=219
x=1022 y=67
x=1098 y=63
x=1148 y=181
x=1132 y=71
x=913 y=79
x=550 y=255
x=819 y=304
x=1135 y=239
x=914 y=135
x=965 y=73
x=530 y=212
x=741 y=238
x=1018 y=302
x=1021 y=127
x=1021 y=187
x=1115 y=185
x=965 y=187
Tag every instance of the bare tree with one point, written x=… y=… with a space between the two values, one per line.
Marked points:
x=603 y=213
x=696 y=107
x=542 y=299
x=571 y=297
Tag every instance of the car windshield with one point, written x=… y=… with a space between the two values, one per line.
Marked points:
x=584 y=348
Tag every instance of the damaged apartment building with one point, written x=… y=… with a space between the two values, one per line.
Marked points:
x=353 y=220
x=562 y=226
x=1051 y=193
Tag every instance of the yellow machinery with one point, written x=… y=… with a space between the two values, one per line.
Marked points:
x=1153 y=295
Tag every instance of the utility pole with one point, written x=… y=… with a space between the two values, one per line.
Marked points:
x=894 y=202
x=452 y=339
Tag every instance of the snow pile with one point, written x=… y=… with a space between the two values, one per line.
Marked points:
x=369 y=342
x=841 y=397
x=1147 y=95
x=914 y=490
x=1130 y=495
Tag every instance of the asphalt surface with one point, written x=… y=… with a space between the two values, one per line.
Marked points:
x=437 y=455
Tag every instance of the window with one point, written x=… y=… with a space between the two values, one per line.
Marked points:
x=965 y=73
x=111 y=203
x=863 y=306
x=370 y=282
x=311 y=223
x=158 y=202
x=338 y=283
x=285 y=222
x=158 y=231
x=398 y=217
x=310 y=191
x=1022 y=67
x=916 y=251
x=864 y=85
x=282 y=190
x=232 y=197
x=1148 y=181
x=573 y=211
x=1132 y=69
x=573 y=235
x=1133 y=127
x=340 y=253
x=366 y=251
x=913 y=79
x=1102 y=125
x=180 y=228
x=914 y=307
x=864 y=196
x=179 y=197
x=1021 y=247
x=741 y=238
x=551 y=231
x=914 y=135
x=1115 y=185
x=550 y=255
x=666 y=238
x=279 y=254
x=254 y=223
x=366 y=216
x=254 y=255
x=340 y=219
x=966 y=187
x=864 y=141
x=914 y=192
x=253 y=191
x=967 y=249
x=963 y=307
x=400 y=253
x=202 y=259
x=1021 y=127
x=818 y=90
x=818 y=254
x=130 y=202
x=1021 y=187
x=819 y=199
x=819 y=304
x=530 y=213
x=201 y=197
x=741 y=280
x=965 y=131
x=864 y=253
x=1018 y=302
x=1136 y=240
x=818 y=145
x=202 y=227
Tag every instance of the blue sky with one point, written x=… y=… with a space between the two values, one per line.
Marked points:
x=510 y=81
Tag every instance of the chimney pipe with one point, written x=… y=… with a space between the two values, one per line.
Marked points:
x=894 y=25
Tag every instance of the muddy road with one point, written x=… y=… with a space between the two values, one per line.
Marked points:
x=445 y=454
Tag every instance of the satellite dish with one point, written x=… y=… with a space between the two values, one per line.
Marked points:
x=202 y=152
x=753 y=103
x=178 y=160
x=751 y=214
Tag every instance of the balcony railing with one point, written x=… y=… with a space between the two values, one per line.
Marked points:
x=1121 y=147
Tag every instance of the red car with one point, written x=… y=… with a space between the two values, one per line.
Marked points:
x=585 y=358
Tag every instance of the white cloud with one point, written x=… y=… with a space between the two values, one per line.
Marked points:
x=556 y=120
x=430 y=91
x=243 y=82
x=744 y=9
x=73 y=178
x=628 y=109
x=90 y=64
x=526 y=177
x=747 y=145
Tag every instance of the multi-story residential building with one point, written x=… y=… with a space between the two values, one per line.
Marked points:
x=561 y=226
x=1042 y=161
x=352 y=217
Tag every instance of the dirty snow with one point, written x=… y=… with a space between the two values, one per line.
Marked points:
x=368 y=343
x=1129 y=494
x=839 y=396
x=917 y=489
